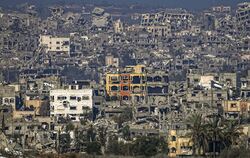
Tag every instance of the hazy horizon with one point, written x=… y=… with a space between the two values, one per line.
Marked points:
x=188 y=4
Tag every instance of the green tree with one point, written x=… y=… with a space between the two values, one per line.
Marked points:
x=197 y=132
x=114 y=146
x=64 y=142
x=230 y=133
x=126 y=132
x=149 y=146
x=102 y=133
x=215 y=131
x=91 y=134
x=93 y=148
x=81 y=139
x=235 y=152
x=70 y=127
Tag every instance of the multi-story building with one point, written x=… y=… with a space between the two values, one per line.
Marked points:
x=168 y=18
x=179 y=143
x=236 y=108
x=210 y=89
x=70 y=103
x=55 y=44
x=243 y=15
x=128 y=84
x=135 y=84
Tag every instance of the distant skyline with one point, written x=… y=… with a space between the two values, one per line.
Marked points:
x=188 y=4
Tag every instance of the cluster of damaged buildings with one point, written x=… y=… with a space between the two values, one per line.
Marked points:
x=85 y=65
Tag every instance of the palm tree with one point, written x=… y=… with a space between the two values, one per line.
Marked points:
x=225 y=132
x=197 y=132
x=231 y=133
x=91 y=134
x=214 y=130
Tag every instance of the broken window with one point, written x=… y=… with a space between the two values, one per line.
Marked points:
x=136 y=89
x=157 y=79
x=61 y=98
x=18 y=128
x=114 y=78
x=125 y=77
x=12 y=100
x=173 y=138
x=6 y=100
x=52 y=98
x=125 y=88
x=114 y=98
x=65 y=43
x=72 y=97
x=85 y=97
x=248 y=94
x=196 y=80
x=114 y=88
x=158 y=90
x=219 y=95
x=79 y=99
x=72 y=108
x=136 y=80
x=125 y=98
x=173 y=150
x=233 y=105
x=165 y=78
x=149 y=79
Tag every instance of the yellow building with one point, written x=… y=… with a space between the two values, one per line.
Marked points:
x=179 y=144
x=129 y=84
x=231 y=106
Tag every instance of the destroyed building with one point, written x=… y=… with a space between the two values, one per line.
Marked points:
x=85 y=75
x=100 y=19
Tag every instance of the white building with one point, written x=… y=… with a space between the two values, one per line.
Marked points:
x=72 y=103
x=55 y=44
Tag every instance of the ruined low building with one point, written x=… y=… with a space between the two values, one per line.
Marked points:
x=100 y=19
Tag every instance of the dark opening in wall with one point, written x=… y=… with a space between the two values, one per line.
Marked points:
x=136 y=80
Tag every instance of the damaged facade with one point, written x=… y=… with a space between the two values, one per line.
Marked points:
x=85 y=70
